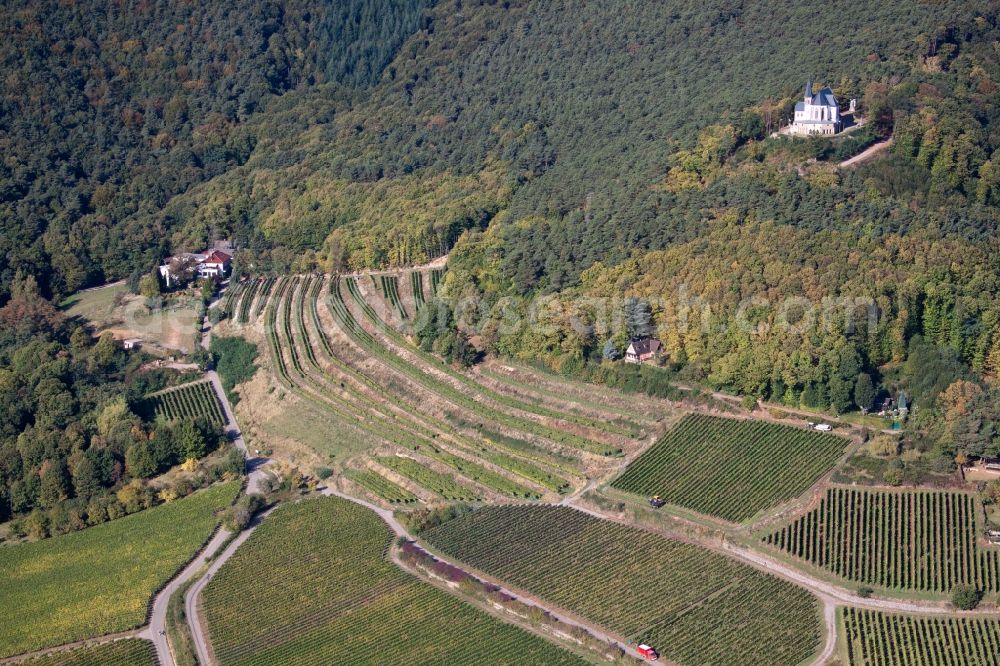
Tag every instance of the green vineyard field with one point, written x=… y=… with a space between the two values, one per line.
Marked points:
x=695 y=606
x=188 y=401
x=919 y=540
x=731 y=469
x=99 y=580
x=312 y=586
x=126 y=652
x=881 y=639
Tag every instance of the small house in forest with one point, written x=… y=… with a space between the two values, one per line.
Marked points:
x=643 y=350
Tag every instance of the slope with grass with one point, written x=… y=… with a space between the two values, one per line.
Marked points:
x=731 y=469
x=901 y=540
x=100 y=580
x=589 y=434
x=312 y=585
x=312 y=361
x=695 y=606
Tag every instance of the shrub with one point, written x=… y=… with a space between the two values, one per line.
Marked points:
x=424 y=519
x=893 y=476
x=239 y=515
x=865 y=592
x=323 y=472
x=234 y=360
x=965 y=597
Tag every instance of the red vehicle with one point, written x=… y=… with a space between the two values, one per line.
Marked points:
x=647 y=653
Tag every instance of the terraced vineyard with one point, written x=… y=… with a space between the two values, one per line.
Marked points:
x=731 y=469
x=880 y=639
x=229 y=301
x=442 y=484
x=188 y=401
x=417 y=287
x=390 y=287
x=437 y=275
x=99 y=580
x=921 y=540
x=443 y=387
x=695 y=606
x=249 y=294
x=265 y=290
x=311 y=586
x=411 y=401
x=382 y=487
x=297 y=360
x=126 y=652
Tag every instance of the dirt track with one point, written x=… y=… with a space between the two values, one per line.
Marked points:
x=867 y=153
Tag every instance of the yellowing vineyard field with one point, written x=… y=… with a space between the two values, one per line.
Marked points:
x=312 y=586
x=99 y=581
x=695 y=606
x=126 y=652
x=731 y=469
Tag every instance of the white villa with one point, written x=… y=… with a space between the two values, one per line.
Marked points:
x=183 y=267
x=817 y=113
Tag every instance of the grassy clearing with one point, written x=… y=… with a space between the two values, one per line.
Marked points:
x=731 y=469
x=126 y=652
x=695 y=606
x=96 y=305
x=310 y=424
x=100 y=580
x=174 y=326
x=312 y=586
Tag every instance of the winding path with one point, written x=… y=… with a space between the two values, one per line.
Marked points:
x=821 y=588
x=191 y=598
x=399 y=530
x=156 y=630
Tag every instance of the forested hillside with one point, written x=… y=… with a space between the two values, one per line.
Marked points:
x=585 y=107
x=108 y=110
x=602 y=150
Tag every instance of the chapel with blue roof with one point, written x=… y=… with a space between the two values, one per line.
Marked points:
x=817 y=113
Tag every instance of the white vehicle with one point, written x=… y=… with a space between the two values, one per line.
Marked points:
x=823 y=427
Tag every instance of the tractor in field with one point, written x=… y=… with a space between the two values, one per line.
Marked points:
x=656 y=501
